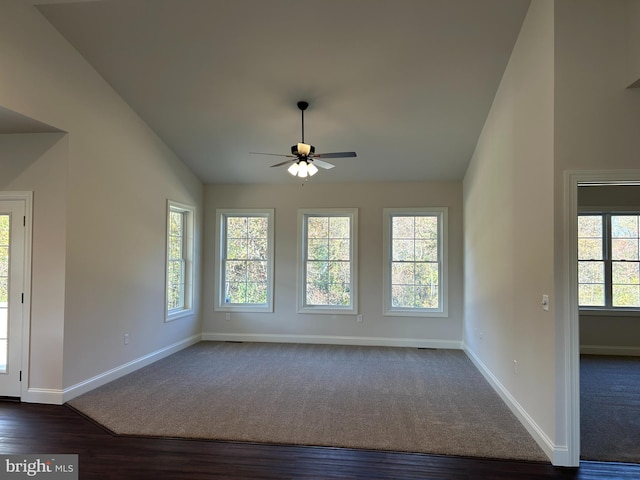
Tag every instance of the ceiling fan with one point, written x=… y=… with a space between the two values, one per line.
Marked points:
x=303 y=159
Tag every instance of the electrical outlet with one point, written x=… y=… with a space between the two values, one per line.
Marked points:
x=359 y=318
x=126 y=339
x=227 y=316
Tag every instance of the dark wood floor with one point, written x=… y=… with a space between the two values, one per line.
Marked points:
x=49 y=429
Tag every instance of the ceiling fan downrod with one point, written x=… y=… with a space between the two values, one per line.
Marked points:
x=303 y=106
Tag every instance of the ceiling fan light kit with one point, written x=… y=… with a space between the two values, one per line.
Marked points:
x=303 y=155
x=303 y=169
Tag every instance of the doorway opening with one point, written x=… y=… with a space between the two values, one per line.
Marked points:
x=15 y=268
x=570 y=357
x=609 y=317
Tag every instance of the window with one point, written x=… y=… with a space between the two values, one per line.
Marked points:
x=328 y=266
x=415 y=262
x=245 y=252
x=179 y=285
x=608 y=261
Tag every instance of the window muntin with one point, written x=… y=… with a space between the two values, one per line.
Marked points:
x=415 y=262
x=179 y=267
x=609 y=261
x=328 y=261
x=246 y=260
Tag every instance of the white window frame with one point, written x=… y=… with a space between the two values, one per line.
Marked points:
x=303 y=307
x=608 y=309
x=188 y=212
x=220 y=247
x=442 y=213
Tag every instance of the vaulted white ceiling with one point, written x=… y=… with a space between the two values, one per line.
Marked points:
x=13 y=122
x=407 y=84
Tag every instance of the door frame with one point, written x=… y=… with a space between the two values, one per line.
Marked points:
x=570 y=357
x=27 y=198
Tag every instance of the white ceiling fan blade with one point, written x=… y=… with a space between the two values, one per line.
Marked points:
x=323 y=164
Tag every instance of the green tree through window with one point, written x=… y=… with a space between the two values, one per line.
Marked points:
x=176 y=261
x=180 y=246
x=415 y=261
x=591 y=283
x=609 y=260
x=328 y=260
x=245 y=260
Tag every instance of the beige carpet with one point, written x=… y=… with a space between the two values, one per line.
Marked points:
x=400 y=399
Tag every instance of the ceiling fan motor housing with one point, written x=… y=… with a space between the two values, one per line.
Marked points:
x=294 y=150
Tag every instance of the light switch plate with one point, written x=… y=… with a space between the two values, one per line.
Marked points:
x=545 y=302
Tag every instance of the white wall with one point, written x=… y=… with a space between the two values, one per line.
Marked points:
x=596 y=116
x=119 y=178
x=618 y=197
x=633 y=77
x=287 y=325
x=38 y=163
x=508 y=227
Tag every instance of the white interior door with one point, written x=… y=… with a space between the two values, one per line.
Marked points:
x=12 y=265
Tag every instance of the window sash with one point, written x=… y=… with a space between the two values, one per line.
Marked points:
x=415 y=262
x=328 y=261
x=176 y=300
x=245 y=252
x=176 y=276
x=179 y=260
x=620 y=287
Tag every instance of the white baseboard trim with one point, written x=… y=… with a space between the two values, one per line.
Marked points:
x=114 y=373
x=43 y=395
x=332 y=340
x=610 y=350
x=532 y=427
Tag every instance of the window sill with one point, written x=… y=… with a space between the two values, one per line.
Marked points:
x=415 y=313
x=176 y=315
x=244 y=308
x=328 y=310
